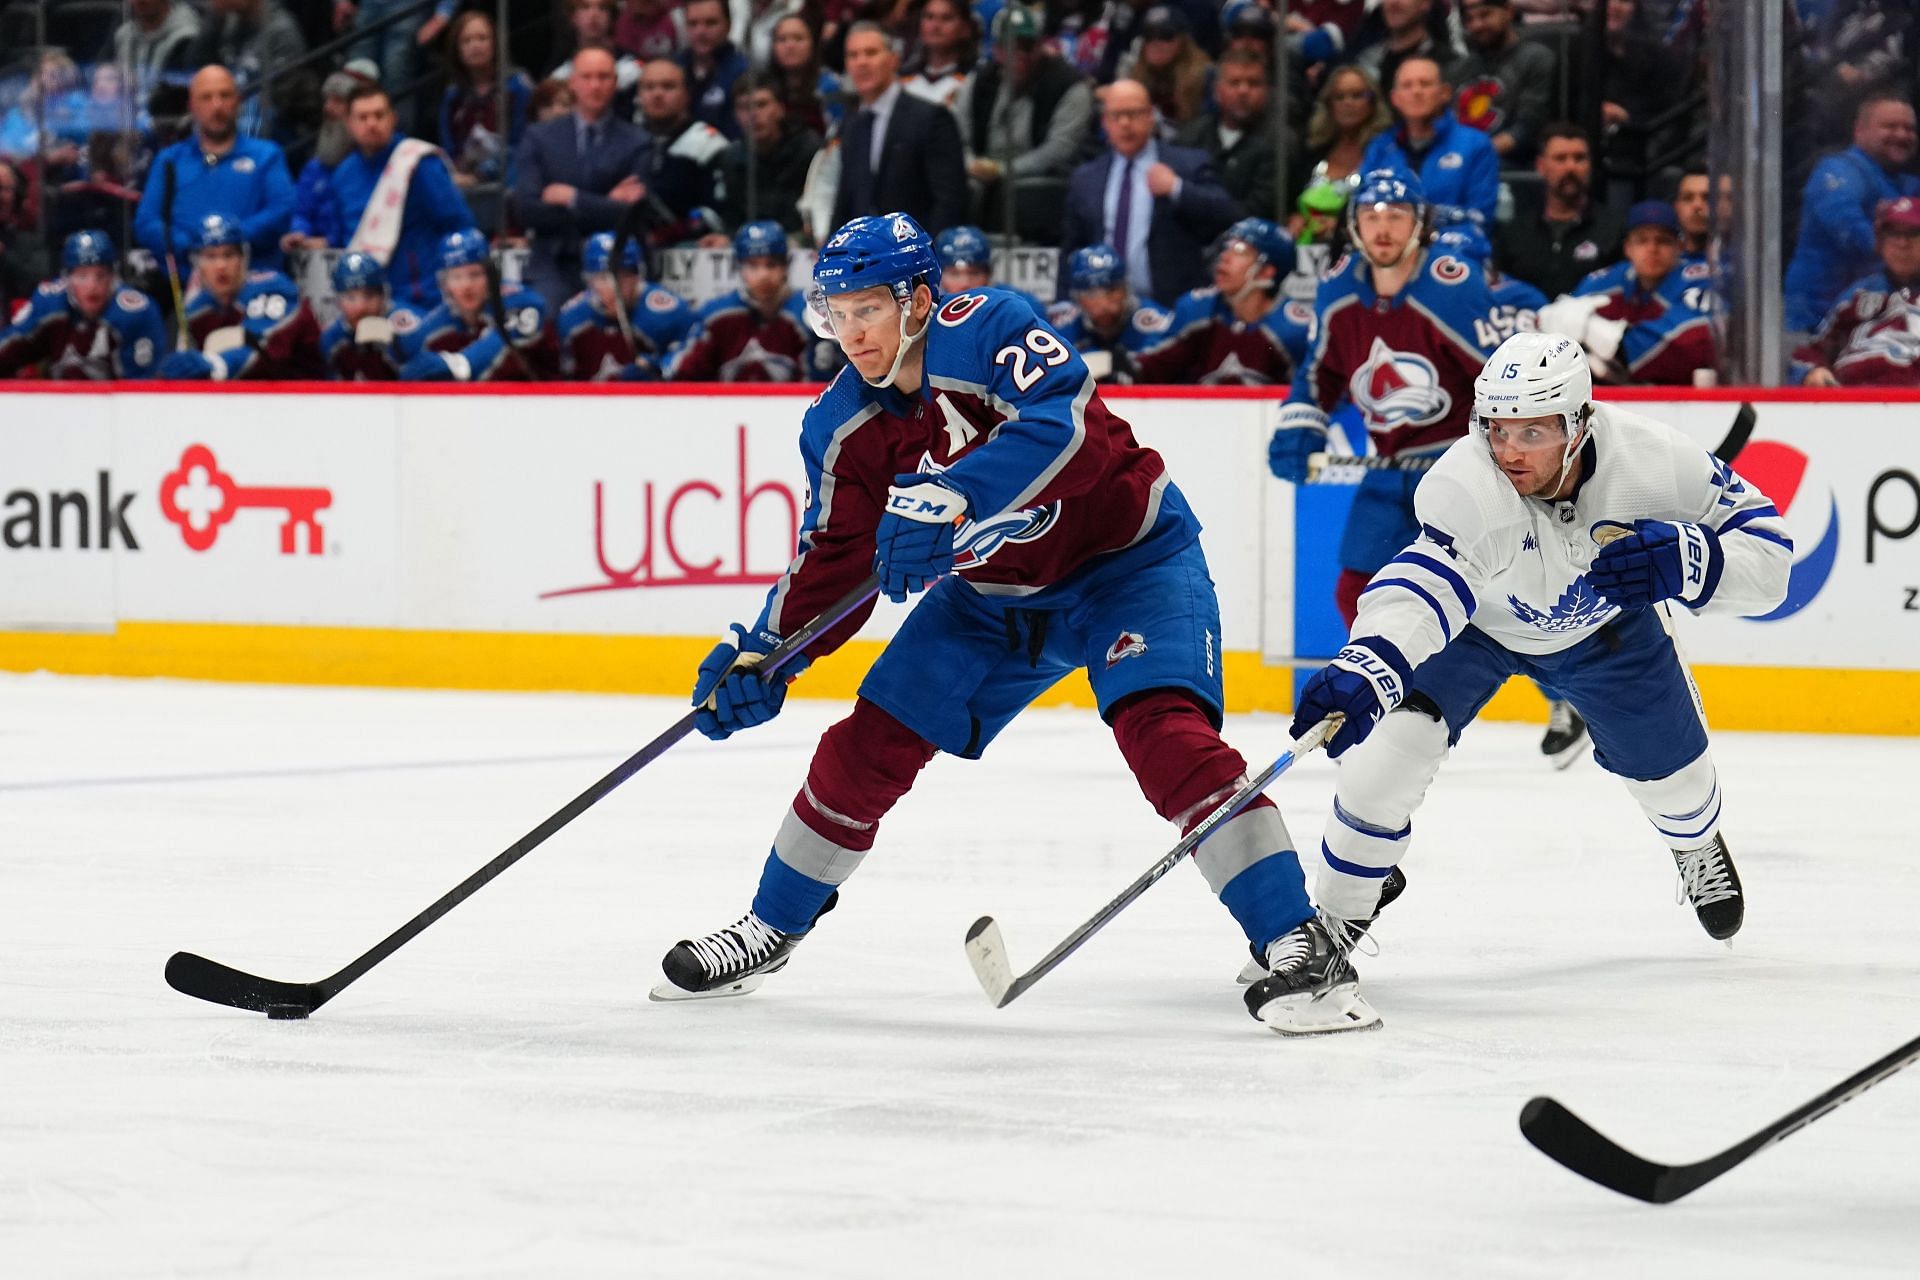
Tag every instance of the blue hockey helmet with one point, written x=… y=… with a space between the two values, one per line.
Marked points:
x=1466 y=241
x=88 y=249
x=218 y=231
x=763 y=239
x=357 y=270
x=596 y=256
x=1269 y=243
x=886 y=250
x=465 y=248
x=1389 y=186
x=1095 y=267
x=963 y=247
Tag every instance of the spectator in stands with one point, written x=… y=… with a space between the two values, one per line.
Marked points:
x=1627 y=81
x=1400 y=29
x=1554 y=240
x=1241 y=332
x=316 y=213
x=154 y=41
x=1504 y=83
x=712 y=64
x=1025 y=115
x=417 y=201
x=242 y=324
x=1692 y=208
x=754 y=22
x=782 y=152
x=813 y=95
x=362 y=343
x=897 y=153
x=391 y=49
x=590 y=26
x=473 y=335
x=649 y=29
x=1455 y=164
x=1868 y=338
x=250 y=38
x=552 y=99
x=216 y=170
x=1238 y=133
x=84 y=325
x=760 y=331
x=1349 y=114
x=943 y=58
x=1106 y=322
x=1177 y=72
x=1836 y=214
x=594 y=345
x=1850 y=48
x=1646 y=319
x=470 y=116
x=1159 y=206
x=577 y=175
x=49 y=120
x=23 y=255
x=684 y=162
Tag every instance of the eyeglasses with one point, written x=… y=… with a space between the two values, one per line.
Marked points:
x=1128 y=113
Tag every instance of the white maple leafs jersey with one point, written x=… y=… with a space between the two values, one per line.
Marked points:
x=1516 y=567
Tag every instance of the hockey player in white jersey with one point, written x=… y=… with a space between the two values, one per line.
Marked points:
x=1548 y=535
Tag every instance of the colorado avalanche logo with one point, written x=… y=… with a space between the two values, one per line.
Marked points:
x=976 y=541
x=1579 y=606
x=1398 y=389
x=1131 y=644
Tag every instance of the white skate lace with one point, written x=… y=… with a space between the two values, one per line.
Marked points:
x=1703 y=877
x=1350 y=935
x=739 y=947
x=1560 y=717
x=1289 y=950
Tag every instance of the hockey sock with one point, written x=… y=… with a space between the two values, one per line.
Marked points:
x=1684 y=807
x=1382 y=782
x=1186 y=771
x=861 y=767
x=1346 y=593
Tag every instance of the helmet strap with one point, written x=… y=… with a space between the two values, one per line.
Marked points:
x=907 y=339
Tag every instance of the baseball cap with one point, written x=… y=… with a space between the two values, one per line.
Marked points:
x=1163 y=22
x=1252 y=20
x=1653 y=213
x=1898 y=215
x=1015 y=23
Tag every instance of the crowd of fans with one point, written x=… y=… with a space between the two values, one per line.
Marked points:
x=150 y=210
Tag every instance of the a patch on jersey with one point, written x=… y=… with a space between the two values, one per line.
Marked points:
x=404 y=320
x=1451 y=160
x=1152 y=320
x=243 y=164
x=1130 y=644
x=1529 y=543
x=1586 y=251
x=661 y=300
x=131 y=300
x=1449 y=270
x=1299 y=312
x=1577 y=608
x=1398 y=389
x=1696 y=271
x=1441 y=539
x=956 y=310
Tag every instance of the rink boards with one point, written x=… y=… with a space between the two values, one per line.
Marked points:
x=592 y=539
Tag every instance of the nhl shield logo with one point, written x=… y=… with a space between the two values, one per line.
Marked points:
x=1128 y=645
x=1398 y=389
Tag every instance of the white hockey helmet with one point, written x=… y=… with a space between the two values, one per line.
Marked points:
x=1532 y=375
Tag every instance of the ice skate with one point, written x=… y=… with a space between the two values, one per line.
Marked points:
x=1566 y=737
x=1390 y=888
x=731 y=962
x=1709 y=881
x=1311 y=988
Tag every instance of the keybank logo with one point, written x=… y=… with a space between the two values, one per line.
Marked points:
x=67 y=519
x=201 y=498
x=1811 y=512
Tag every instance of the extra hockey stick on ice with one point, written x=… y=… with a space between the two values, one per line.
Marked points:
x=1573 y=1142
x=209 y=980
x=987 y=950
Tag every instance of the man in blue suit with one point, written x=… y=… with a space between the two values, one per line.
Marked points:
x=577 y=175
x=1159 y=206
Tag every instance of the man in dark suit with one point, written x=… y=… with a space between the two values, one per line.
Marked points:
x=577 y=175
x=897 y=152
x=1160 y=206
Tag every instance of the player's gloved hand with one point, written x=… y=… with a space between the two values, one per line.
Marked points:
x=730 y=693
x=643 y=369
x=913 y=547
x=1656 y=560
x=183 y=366
x=1301 y=434
x=1366 y=681
x=437 y=366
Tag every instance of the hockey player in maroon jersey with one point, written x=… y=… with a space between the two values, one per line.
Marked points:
x=363 y=342
x=966 y=457
x=1240 y=332
x=759 y=332
x=462 y=339
x=85 y=324
x=1871 y=337
x=1397 y=334
x=594 y=347
x=277 y=336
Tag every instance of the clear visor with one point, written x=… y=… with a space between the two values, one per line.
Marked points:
x=830 y=315
x=1525 y=435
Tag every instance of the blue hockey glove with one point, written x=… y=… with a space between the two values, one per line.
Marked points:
x=913 y=547
x=730 y=694
x=185 y=366
x=1366 y=681
x=1301 y=434
x=437 y=366
x=1656 y=560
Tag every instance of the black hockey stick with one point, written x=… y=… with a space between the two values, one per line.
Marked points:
x=1737 y=435
x=180 y=334
x=1580 y=1147
x=208 y=980
x=987 y=951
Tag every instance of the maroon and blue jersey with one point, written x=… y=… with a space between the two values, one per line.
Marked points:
x=1206 y=343
x=349 y=361
x=592 y=348
x=734 y=341
x=1406 y=363
x=283 y=334
x=1869 y=338
x=1143 y=329
x=1007 y=414
x=49 y=339
x=265 y=297
x=1669 y=328
x=525 y=353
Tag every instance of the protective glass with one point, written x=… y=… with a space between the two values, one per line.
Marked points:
x=1528 y=437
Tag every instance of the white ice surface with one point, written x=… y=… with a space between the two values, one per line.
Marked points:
x=500 y=1099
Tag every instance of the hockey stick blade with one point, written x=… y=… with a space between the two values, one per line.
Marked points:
x=1566 y=1138
x=1737 y=435
x=987 y=950
x=217 y=983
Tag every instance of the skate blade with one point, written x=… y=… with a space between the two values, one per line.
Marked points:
x=666 y=992
x=1326 y=1013
x=1251 y=972
x=1563 y=759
